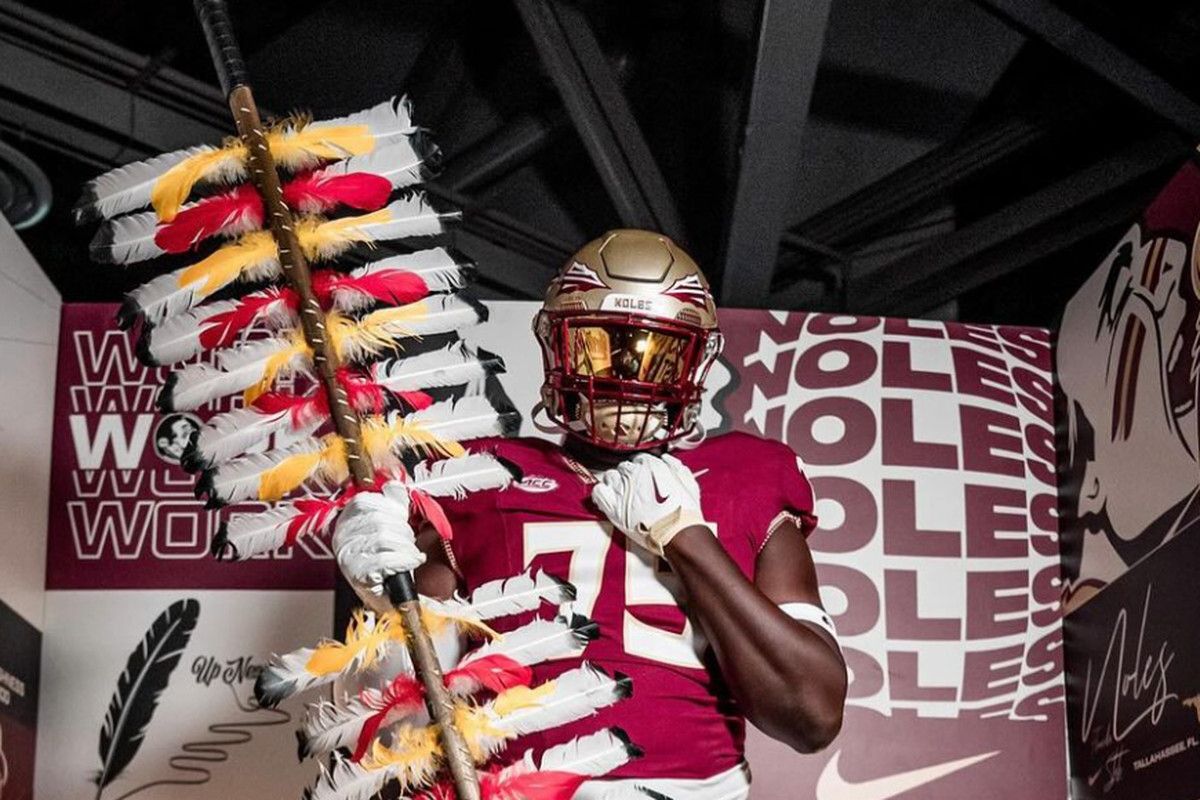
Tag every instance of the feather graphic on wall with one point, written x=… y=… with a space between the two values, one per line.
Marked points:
x=140 y=686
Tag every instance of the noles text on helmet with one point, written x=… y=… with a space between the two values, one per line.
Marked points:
x=628 y=332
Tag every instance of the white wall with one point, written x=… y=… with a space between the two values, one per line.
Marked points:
x=29 y=312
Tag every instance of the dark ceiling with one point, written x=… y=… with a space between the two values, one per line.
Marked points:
x=912 y=157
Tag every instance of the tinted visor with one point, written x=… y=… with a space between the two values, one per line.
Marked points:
x=627 y=353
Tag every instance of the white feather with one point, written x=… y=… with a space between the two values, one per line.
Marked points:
x=239 y=368
x=389 y=121
x=537 y=641
x=453 y=365
x=397 y=161
x=238 y=480
x=576 y=694
x=248 y=535
x=470 y=417
x=234 y=432
x=328 y=726
x=166 y=295
x=520 y=593
x=350 y=781
x=409 y=217
x=126 y=240
x=455 y=477
x=128 y=188
x=442 y=314
x=594 y=755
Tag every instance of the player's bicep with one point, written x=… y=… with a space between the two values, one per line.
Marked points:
x=784 y=571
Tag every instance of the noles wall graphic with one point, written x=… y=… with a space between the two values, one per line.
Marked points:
x=931 y=450
x=1128 y=367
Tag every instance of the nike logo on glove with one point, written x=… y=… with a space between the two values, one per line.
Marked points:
x=832 y=786
x=658 y=495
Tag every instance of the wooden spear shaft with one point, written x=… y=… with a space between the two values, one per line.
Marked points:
x=214 y=17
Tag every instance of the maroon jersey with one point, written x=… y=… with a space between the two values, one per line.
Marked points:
x=680 y=713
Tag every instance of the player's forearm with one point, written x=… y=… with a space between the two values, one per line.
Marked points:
x=786 y=677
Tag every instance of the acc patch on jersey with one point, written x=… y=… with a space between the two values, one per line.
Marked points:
x=537 y=484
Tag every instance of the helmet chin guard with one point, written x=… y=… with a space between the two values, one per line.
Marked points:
x=628 y=333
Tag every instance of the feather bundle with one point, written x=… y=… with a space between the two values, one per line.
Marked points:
x=166 y=181
x=244 y=536
x=254 y=256
x=362 y=182
x=219 y=324
x=455 y=364
x=435 y=430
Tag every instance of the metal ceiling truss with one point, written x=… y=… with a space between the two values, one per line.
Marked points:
x=596 y=104
x=1044 y=223
x=1045 y=22
x=791 y=34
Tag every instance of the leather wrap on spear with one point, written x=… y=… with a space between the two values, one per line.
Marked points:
x=383 y=426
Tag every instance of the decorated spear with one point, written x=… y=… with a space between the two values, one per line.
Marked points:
x=231 y=70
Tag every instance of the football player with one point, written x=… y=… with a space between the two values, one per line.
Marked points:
x=688 y=552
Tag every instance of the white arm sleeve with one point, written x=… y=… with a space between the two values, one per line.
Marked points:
x=809 y=612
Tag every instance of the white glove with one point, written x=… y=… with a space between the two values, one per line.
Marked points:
x=650 y=499
x=373 y=540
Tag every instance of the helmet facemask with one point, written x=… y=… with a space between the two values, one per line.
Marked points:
x=624 y=382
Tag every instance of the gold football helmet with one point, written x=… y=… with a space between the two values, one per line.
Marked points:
x=628 y=332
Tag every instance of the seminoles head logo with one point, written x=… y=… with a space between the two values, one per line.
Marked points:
x=1128 y=357
x=579 y=277
x=173 y=434
x=688 y=289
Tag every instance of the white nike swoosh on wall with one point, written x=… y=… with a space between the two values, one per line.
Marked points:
x=832 y=786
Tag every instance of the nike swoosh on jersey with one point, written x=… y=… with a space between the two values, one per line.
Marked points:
x=832 y=786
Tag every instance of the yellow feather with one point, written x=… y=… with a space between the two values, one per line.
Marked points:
x=285 y=476
x=174 y=186
x=323 y=239
x=474 y=725
x=225 y=265
x=413 y=756
x=519 y=697
x=273 y=367
x=416 y=437
x=332 y=657
x=301 y=146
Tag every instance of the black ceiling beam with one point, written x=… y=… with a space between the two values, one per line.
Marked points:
x=1045 y=22
x=538 y=253
x=1037 y=226
x=878 y=102
x=601 y=114
x=504 y=151
x=78 y=93
x=791 y=35
x=915 y=187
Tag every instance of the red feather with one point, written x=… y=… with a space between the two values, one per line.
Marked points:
x=239 y=209
x=431 y=511
x=364 y=394
x=496 y=673
x=221 y=329
x=302 y=409
x=314 y=191
x=402 y=693
x=395 y=286
x=549 y=785
x=315 y=514
x=415 y=400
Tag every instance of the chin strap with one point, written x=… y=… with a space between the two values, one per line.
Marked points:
x=693 y=438
x=552 y=427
